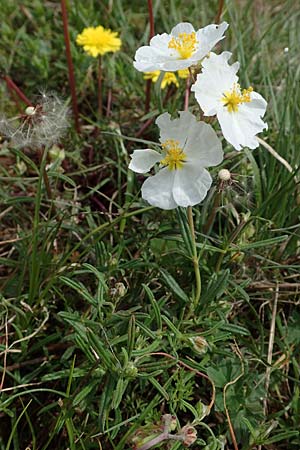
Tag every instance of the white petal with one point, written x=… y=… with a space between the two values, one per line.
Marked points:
x=217 y=77
x=214 y=60
x=240 y=128
x=158 y=56
x=183 y=27
x=191 y=185
x=157 y=190
x=160 y=43
x=177 y=129
x=208 y=37
x=143 y=160
x=203 y=148
x=177 y=64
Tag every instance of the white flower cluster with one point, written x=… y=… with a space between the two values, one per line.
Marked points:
x=41 y=125
x=188 y=146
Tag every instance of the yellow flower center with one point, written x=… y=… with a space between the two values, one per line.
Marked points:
x=232 y=99
x=175 y=158
x=184 y=44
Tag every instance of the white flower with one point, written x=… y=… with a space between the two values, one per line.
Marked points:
x=180 y=49
x=239 y=112
x=188 y=146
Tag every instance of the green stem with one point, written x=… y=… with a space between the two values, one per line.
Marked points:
x=194 y=259
x=34 y=260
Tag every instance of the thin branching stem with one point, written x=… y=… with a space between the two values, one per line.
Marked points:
x=72 y=83
x=273 y=152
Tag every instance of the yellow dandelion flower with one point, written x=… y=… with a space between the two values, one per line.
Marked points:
x=153 y=76
x=168 y=78
x=184 y=73
x=98 y=41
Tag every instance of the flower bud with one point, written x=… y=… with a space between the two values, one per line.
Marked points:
x=170 y=421
x=30 y=110
x=224 y=175
x=131 y=370
x=189 y=435
x=56 y=153
x=199 y=343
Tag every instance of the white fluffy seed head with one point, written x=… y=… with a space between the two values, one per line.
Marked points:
x=45 y=124
x=224 y=175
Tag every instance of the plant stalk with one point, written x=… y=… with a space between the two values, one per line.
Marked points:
x=100 y=101
x=151 y=34
x=191 y=222
x=70 y=65
x=14 y=88
x=195 y=259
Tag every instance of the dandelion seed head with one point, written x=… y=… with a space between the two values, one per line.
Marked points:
x=41 y=125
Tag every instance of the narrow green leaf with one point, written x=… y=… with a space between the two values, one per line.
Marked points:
x=174 y=286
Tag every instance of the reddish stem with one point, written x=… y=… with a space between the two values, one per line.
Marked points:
x=15 y=99
x=70 y=65
x=100 y=86
x=219 y=13
x=151 y=19
x=109 y=102
x=149 y=82
x=14 y=88
x=187 y=94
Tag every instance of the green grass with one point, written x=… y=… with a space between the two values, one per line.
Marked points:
x=92 y=293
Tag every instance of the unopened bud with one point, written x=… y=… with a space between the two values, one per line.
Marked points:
x=200 y=344
x=189 y=435
x=21 y=166
x=30 y=110
x=170 y=421
x=56 y=153
x=131 y=370
x=224 y=175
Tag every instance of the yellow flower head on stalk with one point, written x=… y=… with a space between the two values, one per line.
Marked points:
x=183 y=73
x=98 y=41
x=168 y=78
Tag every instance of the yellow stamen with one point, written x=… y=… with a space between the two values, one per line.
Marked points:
x=232 y=99
x=175 y=158
x=184 y=44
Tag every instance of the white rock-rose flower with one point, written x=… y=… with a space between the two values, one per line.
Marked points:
x=239 y=111
x=188 y=146
x=181 y=49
